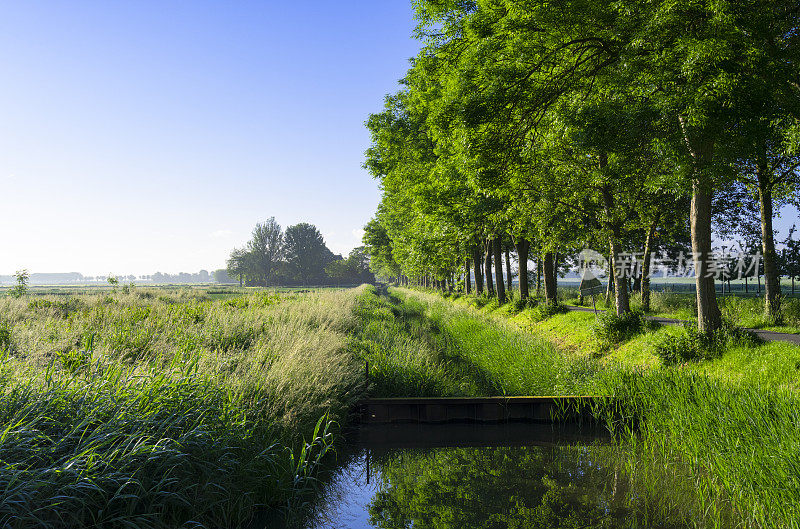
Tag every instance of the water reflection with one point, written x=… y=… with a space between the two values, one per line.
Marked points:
x=464 y=477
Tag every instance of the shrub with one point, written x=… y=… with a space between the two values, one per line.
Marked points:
x=542 y=311
x=613 y=329
x=691 y=345
x=480 y=300
x=518 y=305
x=791 y=311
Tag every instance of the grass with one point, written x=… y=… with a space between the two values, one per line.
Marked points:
x=167 y=407
x=420 y=345
x=158 y=408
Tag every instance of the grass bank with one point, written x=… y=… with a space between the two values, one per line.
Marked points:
x=732 y=422
x=418 y=345
x=162 y=409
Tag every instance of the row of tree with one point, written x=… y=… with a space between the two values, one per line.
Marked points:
x=628 y=127
x=297 y=256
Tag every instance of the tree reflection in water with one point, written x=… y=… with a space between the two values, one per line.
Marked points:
x=504 y=487
x=572 y=486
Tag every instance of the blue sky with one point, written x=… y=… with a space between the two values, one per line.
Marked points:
x=145 y=136
x=138 y=137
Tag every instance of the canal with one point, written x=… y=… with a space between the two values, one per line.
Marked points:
x=467 y=476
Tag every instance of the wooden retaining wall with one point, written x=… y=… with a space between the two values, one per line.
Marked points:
x=476 y=409
x=387 y=437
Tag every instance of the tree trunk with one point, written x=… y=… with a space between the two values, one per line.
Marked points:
x=621 y=299
x=522 y=246
x=539 y=275
x=555 y=273
x=487 y=267
x=467 y=279
x=476 y=264
x=709 y=318
x=550 y=295
x=498 y=269
x=648 y=249
x=509 y=279
x=610 y=284
x=772 y=282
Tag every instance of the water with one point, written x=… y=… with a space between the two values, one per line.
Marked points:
x=486 y=476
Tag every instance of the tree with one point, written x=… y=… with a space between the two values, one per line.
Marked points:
x=379 y=247
x=237 y=265
x=791 y=256
x=21 y=288
x=222 y=276
x=353 y=270
x=266 y=250
x=703 y=67
x=359 y=262
x=306 y=253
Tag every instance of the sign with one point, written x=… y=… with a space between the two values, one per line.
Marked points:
x=589 y=284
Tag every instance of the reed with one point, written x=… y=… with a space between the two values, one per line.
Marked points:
x=159 y=410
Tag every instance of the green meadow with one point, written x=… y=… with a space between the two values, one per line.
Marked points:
x=190 y=407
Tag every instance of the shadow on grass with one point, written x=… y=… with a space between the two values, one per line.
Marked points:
x=411 y=355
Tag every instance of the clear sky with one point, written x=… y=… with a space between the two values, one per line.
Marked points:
x=138 y=137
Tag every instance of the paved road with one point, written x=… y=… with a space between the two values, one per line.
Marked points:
x=767 y=336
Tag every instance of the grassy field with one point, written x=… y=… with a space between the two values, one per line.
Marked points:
x=193 y=407
x=157 y=408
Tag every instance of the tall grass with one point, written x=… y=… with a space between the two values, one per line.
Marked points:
x=161 y=410
x=742 y=442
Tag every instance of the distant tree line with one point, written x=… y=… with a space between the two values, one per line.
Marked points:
x=296 y=256
x=183 y=277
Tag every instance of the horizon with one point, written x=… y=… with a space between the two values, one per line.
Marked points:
x=143 y=138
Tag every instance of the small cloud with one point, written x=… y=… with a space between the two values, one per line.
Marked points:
x=220 y=234
x=358 y=233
